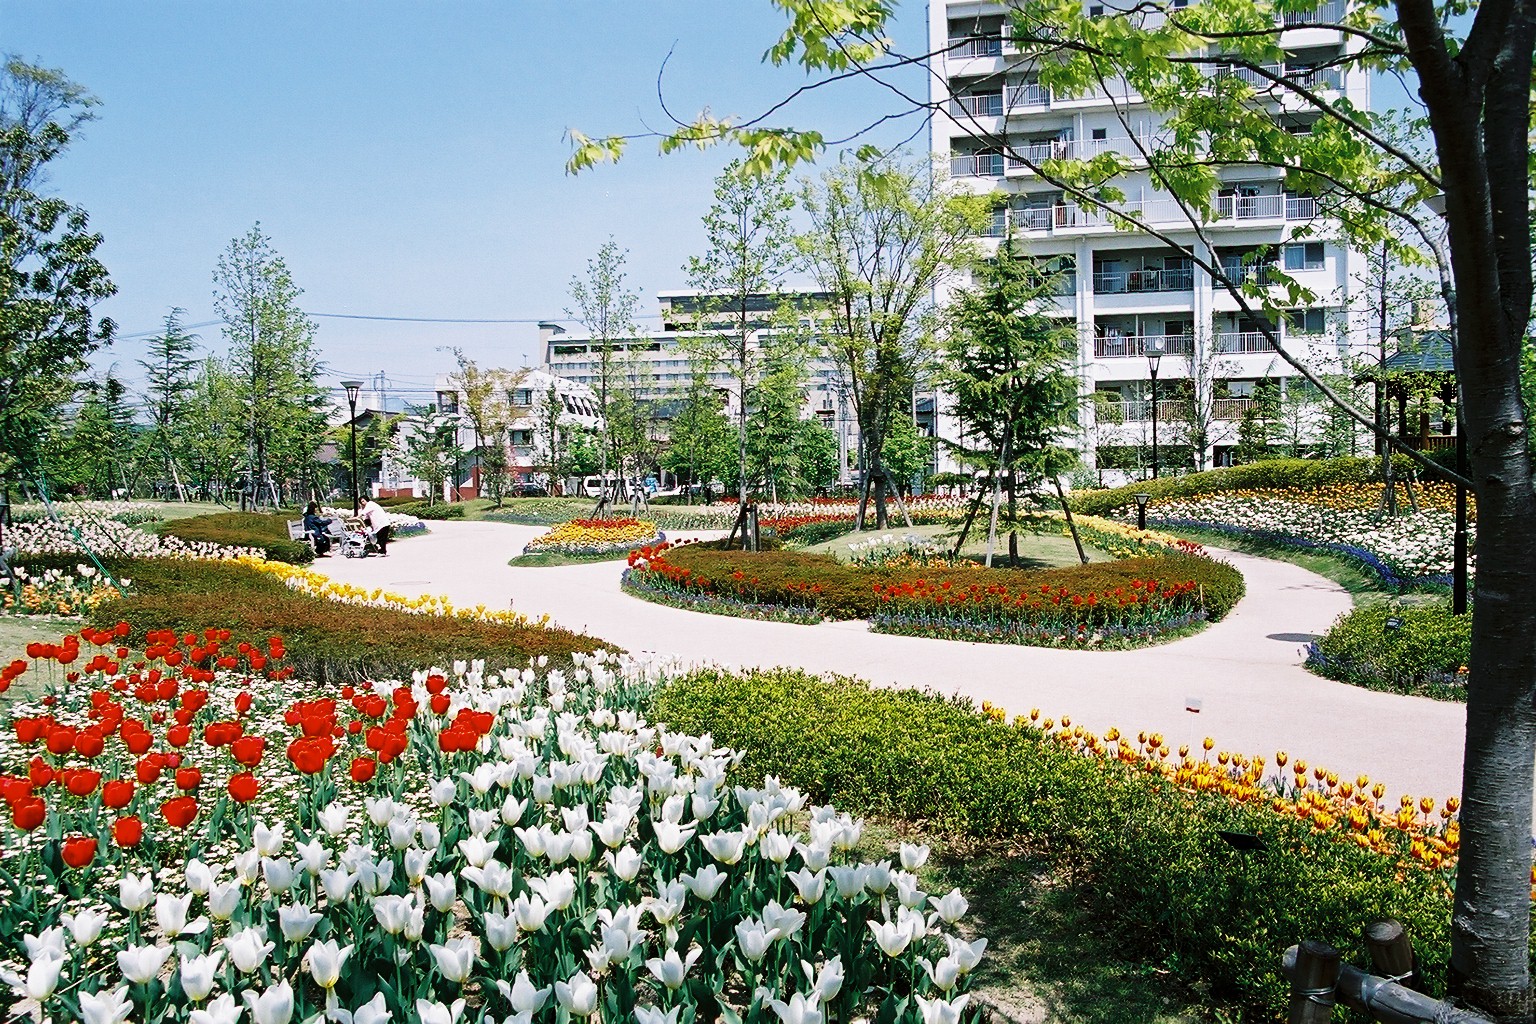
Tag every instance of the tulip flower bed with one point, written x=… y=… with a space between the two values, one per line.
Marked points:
x=595 y=538
x=55 y=591
x=193 y=834
x=126 y=512
x=1103 y=604
x=1130 y=823
x=46 y=539
x=1425 y=652
x=267 y=534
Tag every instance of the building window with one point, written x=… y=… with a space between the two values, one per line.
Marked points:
x=522 y=437
x=522 y=396
x=447 y=401
x=1304 y=256
x=1306 y=321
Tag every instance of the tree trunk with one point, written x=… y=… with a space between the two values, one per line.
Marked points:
x=997 y=493
x=1066 y=510
x=970 y=517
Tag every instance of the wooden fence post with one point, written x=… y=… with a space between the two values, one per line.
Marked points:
x=1392 y=952
x=1312 y=984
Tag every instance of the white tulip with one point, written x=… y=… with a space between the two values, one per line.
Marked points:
x=524 y=997
x=753 y=939
x=380 y=810
x=442 y=891
x=200 y=877
x=274 y=1006
x=705 y=883
x=106 y=1007
x=456 y=958
x=223 y=901
x=495 y=878
x=41 y=979
x=913 y=856
x=942 y=1011
x=278 y=873
x=296 y=921
x=268 y=840
x=776 y=846
x=444 y=792
x=559 y=845
x=967 y=954
x=500 y=930
x=672 y=970
x=815 y=855
x=878 y=876
x=392 y=912
x=577 y=995
x=141 y=964
x=402 y=832
x=907 y=892
x=651 y=1015
x=951 y=907
x=512 y=811
x=626 y=863
x=48 y=942
x=326 y=959
x=416 y=864
x=891 y=937
x=610 y=831
x=670 y=837
x=199 y=974
x=726 y=847
x=799 y=1010
x=530 y=912
x=437 y=1013
x=826 y=983
x=477 y=850
x=784 y=920
x=314 y=856
x=811 y=885
x=171 y=916
x=248 y=949
x=247 y=866
x=481 y=822
x=337 y=883
x=375 y=876
x=334 y=819
x=223 y=1010
x=134 y=894
x=85 y=927
x=943 y=974
x=558 y=889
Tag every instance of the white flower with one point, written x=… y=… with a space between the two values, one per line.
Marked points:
x=134 y=894
x=274 y=1006
x=85 y=927
x=941 y=1011
x=799 y=1010
x=248 y=949
x=199 y=973
x=626 y=863
x=671 y=837
x=171 y=915
x=651 y=1015
x=913 y=856
x=558 y=889
x=892 y=937
x=456 y=958
x=826 y=983
x=726 y=847
x=392 y=912
x=523 y=996
x=106 y=1007
x=42 y=978
x=334 y=819
x=200 y=877
x=268 y=840
x=224 y=900
x=530 y=912
x=477 y=850
x=943 y=974
x=705 y=883
x=776 y=846
x=442 y=891
x=296 y=921
x=951 y=907
x=577 y=995
x=223 y=1010
x=672 y=970
x=326 y=959
x=278 y=873
x=809 y=884
x=337 y=883
x=437 y=1013
x=966 y=954
x=753 y=939
x=443 y=792
x=141 y=964
x=784 y=920
x=314 y=855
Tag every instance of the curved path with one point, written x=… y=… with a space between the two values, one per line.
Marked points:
x=1244 y=673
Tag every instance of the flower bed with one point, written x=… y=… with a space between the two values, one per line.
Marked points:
x=595 y=538
x=127 y=512
x=263 y=532
x=506 y=845
x=111 y=539
x=1106 y=603
x=55 y=591
x=1424 y=652
x=1131 y=824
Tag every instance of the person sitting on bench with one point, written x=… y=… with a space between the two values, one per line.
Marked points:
x=318 y=528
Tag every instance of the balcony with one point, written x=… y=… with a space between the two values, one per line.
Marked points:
x=1262 y=76
x=1139 y=410
x=1028 y=95
x=1230 y=408
x=1240 y=207
x=1300 y=207
x=976 y=165
x=1326 y=13
x=1120 y=282
x=983 y=104
x=1242 y=343
x=1122 y=346
x=1250 y=273
x=966 y=47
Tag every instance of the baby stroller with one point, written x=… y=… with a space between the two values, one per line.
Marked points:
x=358 y=542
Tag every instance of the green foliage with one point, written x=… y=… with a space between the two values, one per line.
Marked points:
x=436 y=510
x=97 y=455
x=847 y=591
x=327 y=641
x=268 y=533
x=1139 y=851
x=213 y=436
x=816 y=453
x=602 y=304
x=702 y=443
x=1425 y=651
x=170 y=367
x=1266 y=475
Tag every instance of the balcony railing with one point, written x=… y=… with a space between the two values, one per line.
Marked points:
x=1163 y=211
x=1300 y=207
x=976 y=46
x=1029 y=94
x=1241 y=342
x=1246 y=273
x=1118 y=346
x=1230 y=408
x=1112 y=282
x=1326 y=13
x=976 y=165
x=984 y=104
x=1262 y=207
x=1139 y=410
x=1262 y=76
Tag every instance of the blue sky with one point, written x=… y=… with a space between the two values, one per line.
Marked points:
x=406 y=158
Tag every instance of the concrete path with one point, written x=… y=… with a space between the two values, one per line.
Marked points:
x=1244 y=673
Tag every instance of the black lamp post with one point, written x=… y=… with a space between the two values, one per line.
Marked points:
x=1154 y=353
x=353 y=387
x=1141 y=510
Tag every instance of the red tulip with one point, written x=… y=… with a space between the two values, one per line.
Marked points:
x=61 y=740
x=28 y=814
x=310 y=753
x=117 y=793
x=179 y=811
x=81 y=781
x=89 y=743
x=248 y=750
x=79 y=851
x=242 y=702
x=243 y=787
x=148 y=770
x=127 y=832
x=363 y=768
x=188 y=778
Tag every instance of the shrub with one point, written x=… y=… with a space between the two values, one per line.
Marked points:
x=1267 y=475
x=1425 y=654
x=268 y=533
x=327 y=640
x=1140 y=848
x=438 y=510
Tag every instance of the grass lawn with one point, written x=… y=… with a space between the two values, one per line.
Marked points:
x=546 y=559
x=1036 y=550
x=1047 y=962
x=16 y=631
x=1364 y=587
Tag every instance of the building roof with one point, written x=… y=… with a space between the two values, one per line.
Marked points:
x=1422 y=352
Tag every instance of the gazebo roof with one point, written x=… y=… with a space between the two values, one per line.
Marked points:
x=1422 y=352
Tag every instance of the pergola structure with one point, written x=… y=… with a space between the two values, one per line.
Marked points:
x=1421 y=370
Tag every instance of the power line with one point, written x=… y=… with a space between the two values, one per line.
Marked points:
x=397 y=319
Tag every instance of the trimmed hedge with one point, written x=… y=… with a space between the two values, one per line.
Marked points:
x=847 y=591
x=326 y=640
x=1137 y=850
x=437 y=510
x=268 y=533
x=1426 y=654
x=1267 y=475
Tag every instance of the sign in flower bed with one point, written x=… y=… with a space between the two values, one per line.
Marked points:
x=191 y=834
x=595 y=538
x=1103 y=604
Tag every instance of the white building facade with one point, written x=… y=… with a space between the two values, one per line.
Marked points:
x=1127 y=291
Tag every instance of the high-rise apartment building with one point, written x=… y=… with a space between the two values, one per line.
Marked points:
x=1128 y=291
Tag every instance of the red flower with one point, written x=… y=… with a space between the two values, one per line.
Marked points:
x=127 y=831
x=310 y=753
x=81 y=781
x=243 y=787
x=178 y=735
x=439 y=703
x=242 y=702
x=363 y=768
x=89 y=743
x=117 y=793
x=148 y=770
x=179 y=811
x=79 y=851
x=61 y=740
x=188 y=778
x=248 y=750
x=28 y=814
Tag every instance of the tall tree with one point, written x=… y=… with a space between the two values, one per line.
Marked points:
x=487 y=406
x=272 y=357
x=170 y=365
x=700 y=444
x=50 y=277
x=750 y=251
x=97 y=456
x=883 y=236
x=211 y=431
x=606 y=308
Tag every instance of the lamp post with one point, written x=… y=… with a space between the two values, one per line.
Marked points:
x=1154 y=353
x=353 y=387
x=1141 y=510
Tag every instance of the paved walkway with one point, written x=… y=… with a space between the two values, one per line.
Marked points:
x=1244 y=673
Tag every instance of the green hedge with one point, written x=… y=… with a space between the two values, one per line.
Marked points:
x=847 y=591
x=1268 y=475
x=327 y=640
x=1425 y=652
x=437 y=510
x=268 y=533
x=1139 y=852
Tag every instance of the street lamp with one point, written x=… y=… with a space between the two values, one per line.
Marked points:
x=1141 y=510
x=1154 y=353
x=353 y=387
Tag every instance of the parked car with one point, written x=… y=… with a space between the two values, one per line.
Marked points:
x=529 y=489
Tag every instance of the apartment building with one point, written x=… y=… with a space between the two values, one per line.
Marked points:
x=1130 y=293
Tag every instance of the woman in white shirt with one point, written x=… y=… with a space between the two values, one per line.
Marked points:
x=378 y=523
